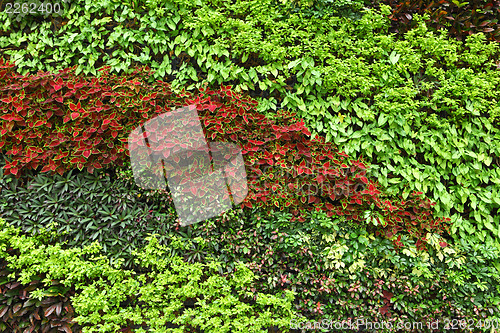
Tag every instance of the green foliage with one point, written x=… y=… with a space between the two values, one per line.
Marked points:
x=80 y=208
x=285 y=168
x=19 y=312
x=320 y=8
x=421 y=106
x=342 y=272
x=171 y=292
x=398 y=99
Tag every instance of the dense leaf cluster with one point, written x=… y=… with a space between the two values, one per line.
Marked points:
x=60 y=122
x=421 y=107
x=170 y=296
x=459 y=18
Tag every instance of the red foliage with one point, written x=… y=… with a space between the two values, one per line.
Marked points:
x=62 y=121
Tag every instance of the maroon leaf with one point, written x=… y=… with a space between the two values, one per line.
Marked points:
x=3 y=310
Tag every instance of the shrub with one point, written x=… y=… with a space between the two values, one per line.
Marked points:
x=83 y=208
x=108 y=299
x=458 y=19
x=398 y=99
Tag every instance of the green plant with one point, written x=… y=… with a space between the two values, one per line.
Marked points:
x=108 y=299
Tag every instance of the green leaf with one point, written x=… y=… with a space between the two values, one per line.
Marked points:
x=294 y=63
x=274 y=71
x=171 y=24
x=382 y=119
x=262 y=85
x=394 y=57
x=244 y=58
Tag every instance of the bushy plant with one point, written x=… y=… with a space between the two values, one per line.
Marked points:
x=171 y=292
x=459 y=19
x=83 y=208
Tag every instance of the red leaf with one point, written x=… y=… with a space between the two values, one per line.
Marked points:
x=61 y=155
x=66 y=328
x=364 y=180
x=4 y=310
x=74 y=107
x=59 y=308
x=86 y=153
x=387 y=294
x=106 y=122
x=384 y=309
x=74 y=115
x=256 y=142
x=97 y=165
x=54 y=143
x=7 y=100
x=49 y=310
x=46 y=168
x=114 y=134
x=40 y=123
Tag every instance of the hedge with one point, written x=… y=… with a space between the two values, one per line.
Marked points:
x=337 y=272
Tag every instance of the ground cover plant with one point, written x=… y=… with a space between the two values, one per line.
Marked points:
x=283 y=255
x=107 y=299
x=459 y=19
x=337 y=271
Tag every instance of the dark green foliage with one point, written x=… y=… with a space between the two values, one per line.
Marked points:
x=337 y=268
x=458 y=18
x=422 y=106
x=83 y=208
x=59 y=122
x=407 y=101
x=320 y=8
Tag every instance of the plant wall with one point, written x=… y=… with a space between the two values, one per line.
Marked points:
x=420 y=106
